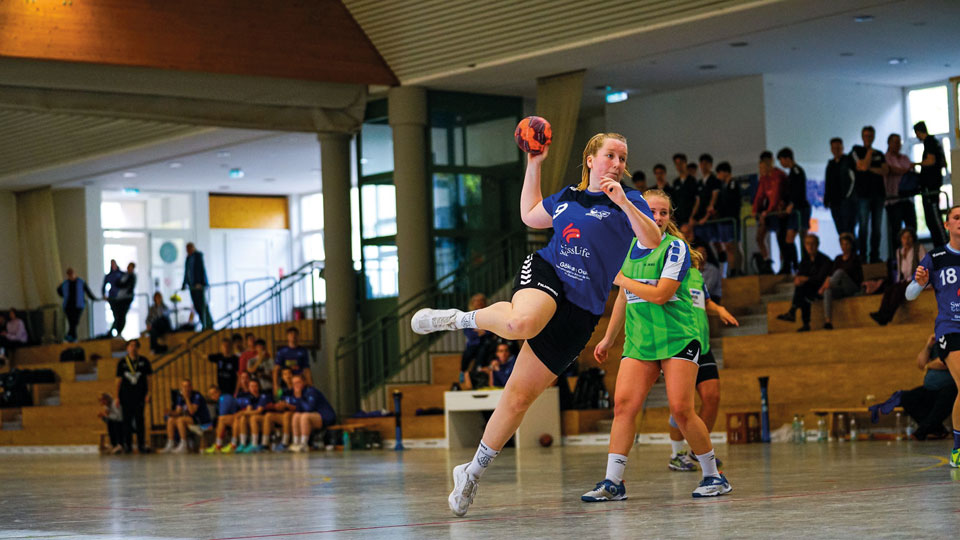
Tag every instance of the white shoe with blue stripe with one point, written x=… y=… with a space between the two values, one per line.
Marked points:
x=606 y=491
x=713 y=486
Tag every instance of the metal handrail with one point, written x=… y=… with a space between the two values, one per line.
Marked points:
x=271 y=279
x=175 y=360
x=385 y=346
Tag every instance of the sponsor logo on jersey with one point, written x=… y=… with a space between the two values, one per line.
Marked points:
x=567 y=251
x=559 y=209
x=570 y=232
x=597 y=213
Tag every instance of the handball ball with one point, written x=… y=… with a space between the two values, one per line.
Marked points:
x=546 y=440
x=533 y=134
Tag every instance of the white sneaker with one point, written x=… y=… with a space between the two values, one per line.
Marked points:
x=296 y=448
x=166 y=449
x=196 y=429
x=180 y=449
x=464 y=489
x=429 y=320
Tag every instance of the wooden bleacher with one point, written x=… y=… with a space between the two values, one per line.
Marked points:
x=74 y=421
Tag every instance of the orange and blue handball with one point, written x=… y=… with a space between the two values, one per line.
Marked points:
x=533 y=134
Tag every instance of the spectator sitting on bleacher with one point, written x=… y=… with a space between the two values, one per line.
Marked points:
x=158 y=323
x=260 y=366
x=14 y=332
x=478 y=350
x=110 y=414
x=710 y=269
x=189 y=409
x=292 y=356
x=280 y=412
x=251 y=419
x=906 y=261
x=313 y=412
x=227 y=365
x=814 y=270
x=502 y=366
x=226 y=412
x=845 y=279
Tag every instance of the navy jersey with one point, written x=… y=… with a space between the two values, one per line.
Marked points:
x=244 y=399
x=286 y=396
x=202 y=416
x=313 y=400
x=227 y=405
x=261 y=401
x=591 y=238
x=296 y=358
x=943 y=264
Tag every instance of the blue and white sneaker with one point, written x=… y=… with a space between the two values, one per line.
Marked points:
x=243 y=449
x=682 y=462
x=464 y=490
x=606 y=491
x=279 y=447
x=712 y=486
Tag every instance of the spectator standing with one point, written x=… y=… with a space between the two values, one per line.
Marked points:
x=639 y=180
x=795 y=198
x=249 y=351
x=838 y=193
x=814 y=270
x=729 y=203
x=709 y=187
x=844 y=281
x=195 y=279
x=112 y=279
x=292 y=356
x=158 y=323
x=901 y=213
x=72 y=290
x=870 y=171
x=133 y=393
x=684 y=193
x=766 y=204
x=931 y=180
x=227 y=365
x=125 y=293
x=908 y=257
x=260 y=367
x=660 y=179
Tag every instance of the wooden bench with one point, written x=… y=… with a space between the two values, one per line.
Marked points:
x=104 y=446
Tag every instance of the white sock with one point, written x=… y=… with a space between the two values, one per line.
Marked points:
x=286 y=439
x=301 y=440
x=243 y=440
x=616 y=463
x=233 y=441
x=481 y=460
x=466 y=320
x=708 y=464
x=676 y=447
x=219 y=441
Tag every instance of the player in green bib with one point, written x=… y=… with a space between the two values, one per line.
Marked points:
x=661 y=334
x=708 y=376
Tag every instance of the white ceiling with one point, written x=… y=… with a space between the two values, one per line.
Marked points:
x=804 y=37
x=272 y=163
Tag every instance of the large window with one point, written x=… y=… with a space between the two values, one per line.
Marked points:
x=932 y=105
x=378 y=204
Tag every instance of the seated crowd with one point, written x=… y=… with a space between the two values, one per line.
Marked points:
x=255 y=398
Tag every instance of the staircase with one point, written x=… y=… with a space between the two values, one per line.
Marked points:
x=385 y=350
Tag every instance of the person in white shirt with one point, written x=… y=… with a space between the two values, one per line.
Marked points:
x=14 y=333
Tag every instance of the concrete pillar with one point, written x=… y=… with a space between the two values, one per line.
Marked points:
x=407 y=110
x=340 y=378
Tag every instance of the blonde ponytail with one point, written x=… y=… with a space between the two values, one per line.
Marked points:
x=696 y=259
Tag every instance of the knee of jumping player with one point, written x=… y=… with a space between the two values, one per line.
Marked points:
x=521 y=327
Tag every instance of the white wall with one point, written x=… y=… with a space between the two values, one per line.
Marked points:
x=805 y=113
x=724 y=119
x=11 y=287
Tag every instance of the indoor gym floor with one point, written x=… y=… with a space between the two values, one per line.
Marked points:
x=835 y=490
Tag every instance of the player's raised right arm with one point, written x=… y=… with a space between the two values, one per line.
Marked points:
x=531 y=198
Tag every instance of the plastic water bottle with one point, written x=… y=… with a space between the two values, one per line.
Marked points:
x=346 y=441
x=841 y=426
x=822 y=434
x=796 y=428
x=899 y=428
x=853 y=428
x=606 y=400
x=803 y=431
x=909 y=428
